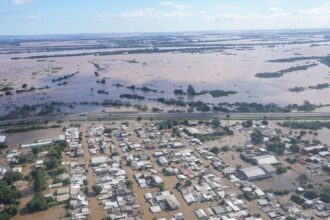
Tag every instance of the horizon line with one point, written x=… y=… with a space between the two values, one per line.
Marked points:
x=164 y=32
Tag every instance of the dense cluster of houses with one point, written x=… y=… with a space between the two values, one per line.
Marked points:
x=116 y=196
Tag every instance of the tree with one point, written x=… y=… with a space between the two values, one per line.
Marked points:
x=11 y=177
x=188 y=183
x=257 y=137
x=145 y=108
x=215 y=123
x=129 y=184
x=247 y=124
x=215 y=150
x=276 y=145
x=297 y=199
x=325 y=193
x=311 y=194
x=97 y=189
x=294 y=148
x=66 y=181
x=9 y=212
x=281 y=170
x=191 y=91
x=51 y=163
x=38 y=203
x=8 y=194
x=40 y=180
x=225 y=148
x=115 y=154
x=264 y=121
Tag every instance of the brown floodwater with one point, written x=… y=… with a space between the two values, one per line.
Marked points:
x=233 y=68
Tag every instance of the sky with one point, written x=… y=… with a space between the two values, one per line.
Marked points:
x=35 y=17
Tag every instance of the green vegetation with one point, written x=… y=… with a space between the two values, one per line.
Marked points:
x=317 y=87
x=11 y=177
x=297 y=199
x=250 y=196
x=311 y=194
x=39 y=203
x=281 y=170
x=281 y=192
x=224 y=131
x=215 y=150
x=276 y=145
x=214 y=93
x=97 y=189
x=40 y=180
x=280 y=73
x=8 y=194
x=325 y=193
x=64 y=77
x=191 y=90
x=8 y=212
x=310 y=125
x=247 y=124
x=294 y=148
x=215 y=123
x=162 y=187
x=129 y=184
x=221 y=93
x=297 y=89
x=132 y=96
x=257 y=137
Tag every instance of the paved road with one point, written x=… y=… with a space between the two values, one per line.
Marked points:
x=159 y=116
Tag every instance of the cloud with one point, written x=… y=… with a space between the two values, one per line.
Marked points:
x=140 y=13
x=175 y=5
x=21 y=2
x=33 y=17
x=320 y=10
x=275 y=9
x=151 y=13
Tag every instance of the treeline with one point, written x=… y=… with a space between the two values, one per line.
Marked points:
x=132 y=96
x=317 y=87
x=214 y=93
x=280 y=73
x=64 y=77
x=310 y=125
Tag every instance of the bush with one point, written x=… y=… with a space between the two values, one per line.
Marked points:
x=297 y=199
